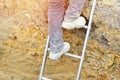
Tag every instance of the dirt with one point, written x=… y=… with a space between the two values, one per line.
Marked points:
x=21 y=56
x=23 y=33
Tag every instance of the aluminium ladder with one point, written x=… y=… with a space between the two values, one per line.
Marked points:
x=68 y=54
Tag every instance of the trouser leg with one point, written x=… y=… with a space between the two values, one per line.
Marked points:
x=55 y=19
x=74 y=10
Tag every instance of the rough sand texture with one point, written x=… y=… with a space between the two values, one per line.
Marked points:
x=23 y=32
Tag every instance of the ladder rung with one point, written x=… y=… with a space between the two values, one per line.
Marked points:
x=69 y=54
x=48 y=49
x=86 y=26
x=43 y=78
x=72 y=55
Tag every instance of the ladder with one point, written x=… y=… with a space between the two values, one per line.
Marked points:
x=68 y=54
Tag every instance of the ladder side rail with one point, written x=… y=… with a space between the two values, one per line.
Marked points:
x=86 y=40
x=44 y=59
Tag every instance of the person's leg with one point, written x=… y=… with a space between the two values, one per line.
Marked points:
x=72 y=17
x=55 y=18
x=74 y=10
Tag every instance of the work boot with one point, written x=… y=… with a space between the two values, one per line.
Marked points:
x=78 y=23
x=56 y=56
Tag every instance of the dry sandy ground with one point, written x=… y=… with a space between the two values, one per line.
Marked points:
x=21 y=50
x=22 y=42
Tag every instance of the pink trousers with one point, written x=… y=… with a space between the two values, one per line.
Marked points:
x=56 y=15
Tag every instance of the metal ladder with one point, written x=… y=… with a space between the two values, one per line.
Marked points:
x=68 y=54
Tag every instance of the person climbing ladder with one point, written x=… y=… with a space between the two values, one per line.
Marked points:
x=71 y=20
x=57 y=19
